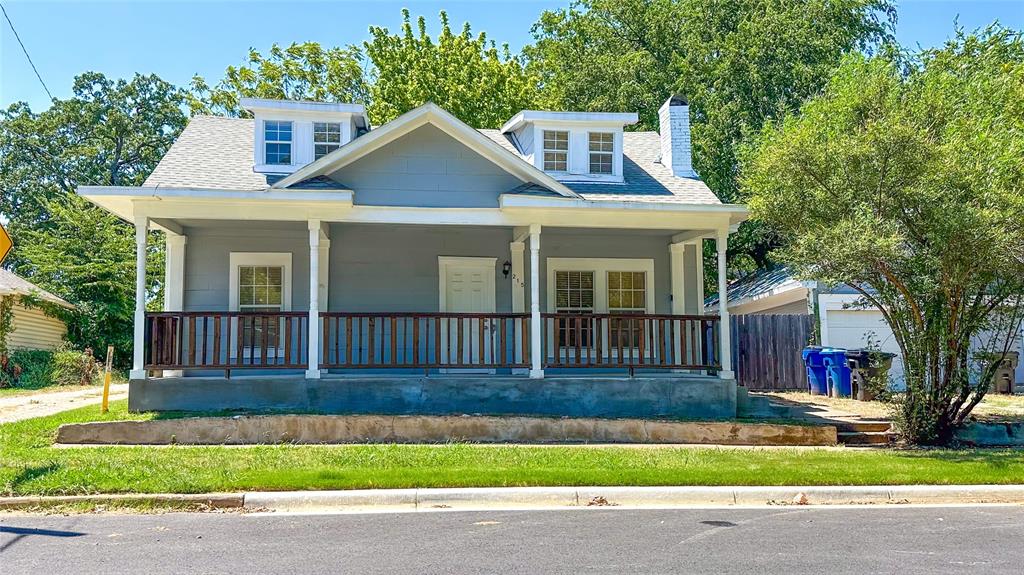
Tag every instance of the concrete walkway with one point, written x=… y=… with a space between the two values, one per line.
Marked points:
x=45 y=403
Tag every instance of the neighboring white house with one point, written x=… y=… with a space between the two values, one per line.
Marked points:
x=842 y=321
x=31 y=327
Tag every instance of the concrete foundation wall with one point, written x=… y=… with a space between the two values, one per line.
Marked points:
x=315 y=429
x=690 y=397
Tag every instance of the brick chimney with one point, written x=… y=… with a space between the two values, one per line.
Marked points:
x=674 y=127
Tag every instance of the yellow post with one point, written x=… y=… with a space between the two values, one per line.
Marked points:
x=106 y=378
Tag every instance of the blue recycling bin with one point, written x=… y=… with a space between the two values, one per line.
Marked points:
x=817 y=383
x=837 y=372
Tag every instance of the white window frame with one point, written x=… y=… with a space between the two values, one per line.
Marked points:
x=544 y=150
x=600 y=267
x=271 y=259
x=237 y=260
x=291 y=142
x=334 y=145
x=610 y=154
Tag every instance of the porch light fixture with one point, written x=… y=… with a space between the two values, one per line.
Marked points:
x=506 y=267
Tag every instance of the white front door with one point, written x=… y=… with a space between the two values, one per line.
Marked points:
x=467 y=286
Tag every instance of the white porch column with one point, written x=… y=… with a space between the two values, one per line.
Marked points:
x=536 y=353
x=174 y=279
x=139 y=339
x=723 y=307
x=313 y=369
x=174 y=272
x=677 y=266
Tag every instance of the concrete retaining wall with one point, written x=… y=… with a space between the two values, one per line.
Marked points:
x=686 y=397
x=315 y=429
x=992 y=434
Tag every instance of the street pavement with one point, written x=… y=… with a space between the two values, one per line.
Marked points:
x=789 y=539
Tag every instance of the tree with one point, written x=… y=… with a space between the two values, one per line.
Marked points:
x=108 y=133
x=905 y=180
x=739 y=62
x=299 y=72
x=470 y=77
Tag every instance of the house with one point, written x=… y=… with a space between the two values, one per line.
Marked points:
x=841 y=318
x=423 y=266
x=31 y=327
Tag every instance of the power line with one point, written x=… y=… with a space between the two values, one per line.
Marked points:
x=25 y=50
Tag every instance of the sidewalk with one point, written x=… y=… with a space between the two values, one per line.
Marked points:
x=27 y=406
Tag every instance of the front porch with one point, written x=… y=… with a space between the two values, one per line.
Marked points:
x=431 y=319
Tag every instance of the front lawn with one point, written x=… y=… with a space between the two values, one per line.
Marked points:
x=30 y=465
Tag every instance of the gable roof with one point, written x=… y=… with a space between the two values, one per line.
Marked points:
x=13 y=284
x=216 y=153
x=428 y=113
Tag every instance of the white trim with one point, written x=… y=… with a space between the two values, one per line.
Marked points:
x=313 y=340
x=433 y=114
x=174 y=272
x=139 y=334
x=725 y=343
x=536 y=347
x=600 y=267
x=517 y=249
x=481 y=263
x=336 y=206
x=596 y=119
x=282 y=259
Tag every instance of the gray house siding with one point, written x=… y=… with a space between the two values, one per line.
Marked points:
x=395 y=268
x=209 y=248
x=426 y=168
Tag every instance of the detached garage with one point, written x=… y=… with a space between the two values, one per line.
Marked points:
x=31 y=328
x=840 y=321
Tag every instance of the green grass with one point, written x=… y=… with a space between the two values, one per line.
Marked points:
x=30 y=465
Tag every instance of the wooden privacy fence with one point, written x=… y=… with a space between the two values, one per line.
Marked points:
x=767 y=350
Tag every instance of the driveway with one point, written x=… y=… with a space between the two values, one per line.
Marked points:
x=18 y=407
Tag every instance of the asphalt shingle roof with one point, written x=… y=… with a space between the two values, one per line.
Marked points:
x=13 y=284
x=754 y=285
x=216 y=153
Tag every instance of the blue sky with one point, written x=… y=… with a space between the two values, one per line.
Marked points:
x=178 y=39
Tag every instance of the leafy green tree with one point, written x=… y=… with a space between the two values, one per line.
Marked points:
x=906 y=182
x=108 y=133
x=303 y=71
x=470 y=77
x=739 y=62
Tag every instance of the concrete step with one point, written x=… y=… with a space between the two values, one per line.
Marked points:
x=865 y=438
x=864 y=426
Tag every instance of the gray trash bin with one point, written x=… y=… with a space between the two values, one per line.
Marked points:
x=867 y=366
x=1005 y=378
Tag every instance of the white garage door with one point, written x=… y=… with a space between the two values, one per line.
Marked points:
x=866 y=328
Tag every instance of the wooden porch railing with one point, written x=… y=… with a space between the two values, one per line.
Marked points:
x=456 y=341
x=226 y=340
x=631 y=341
x=425 y=340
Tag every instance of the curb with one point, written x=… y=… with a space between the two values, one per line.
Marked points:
x=512 y=498
x=211 y=500
x=654 y=497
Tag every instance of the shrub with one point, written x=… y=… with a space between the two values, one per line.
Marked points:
x=73 y=367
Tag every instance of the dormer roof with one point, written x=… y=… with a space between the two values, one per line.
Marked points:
x=590 y=118
x=326 y=110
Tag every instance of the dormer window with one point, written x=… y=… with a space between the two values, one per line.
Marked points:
x=556 y=151
x=277 y=139
x=602 y=146
x=326 y=138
